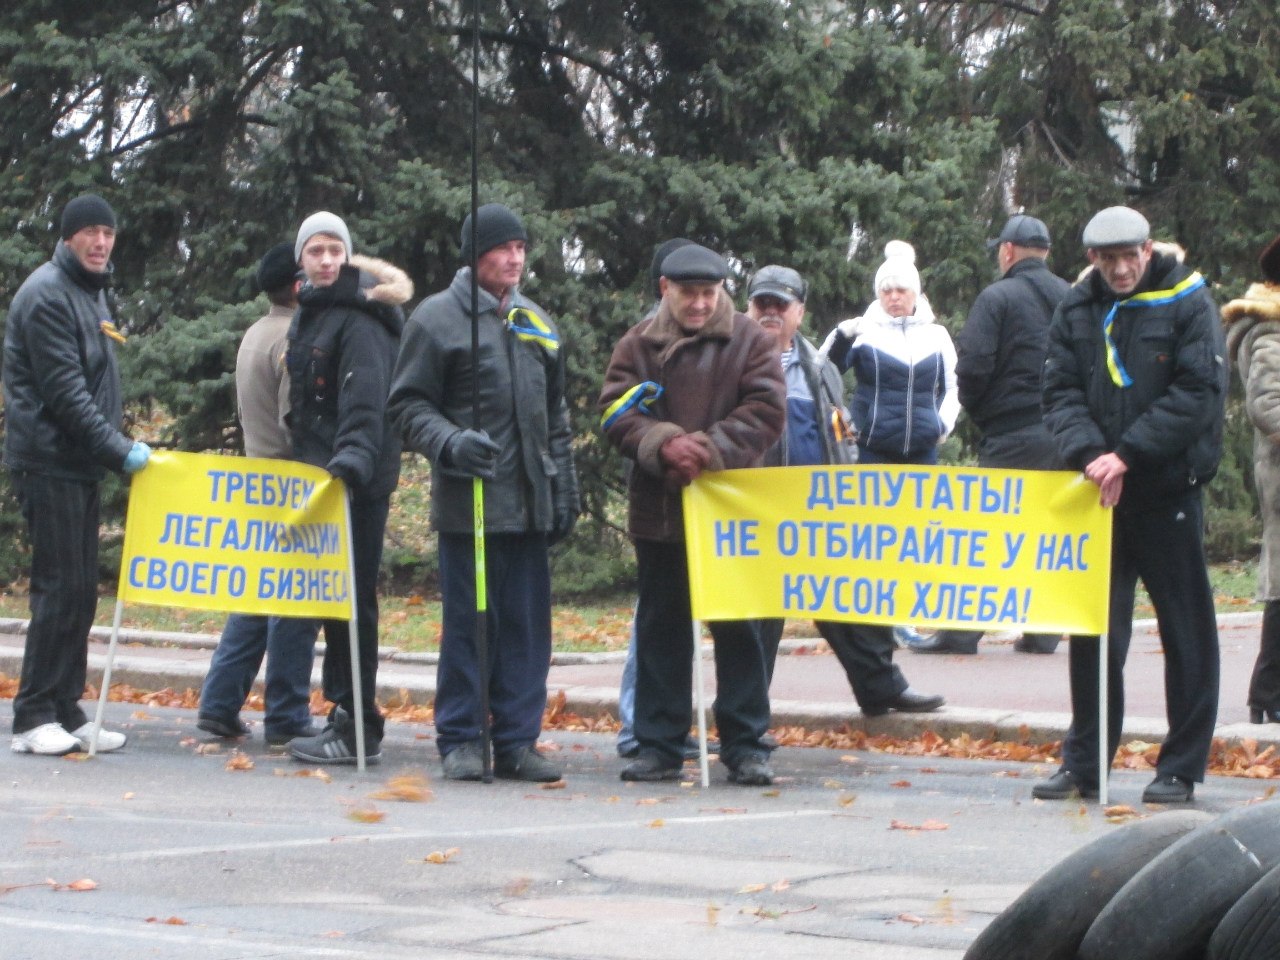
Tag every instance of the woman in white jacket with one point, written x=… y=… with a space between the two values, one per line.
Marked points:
x=905 y=402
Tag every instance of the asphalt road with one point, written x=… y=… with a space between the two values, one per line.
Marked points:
x=191 y=859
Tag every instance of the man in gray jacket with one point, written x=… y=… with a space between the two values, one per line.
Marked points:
x=518 y=444
x=62 y=433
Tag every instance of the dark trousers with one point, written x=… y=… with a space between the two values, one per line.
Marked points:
x=62 y=525
x=518 y=631
x=1264 y=687
x=864 y=650
x=1165 y=547
x=288 y=643
x=1030 y=447
x=368 y=524
x=664 y=664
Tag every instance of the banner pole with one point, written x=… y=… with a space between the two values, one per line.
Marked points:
x=353 y=635
x=700 y=704
x=106 y=677
x=1104 y=758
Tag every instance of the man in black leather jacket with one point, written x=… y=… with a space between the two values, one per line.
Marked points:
x=62 y=433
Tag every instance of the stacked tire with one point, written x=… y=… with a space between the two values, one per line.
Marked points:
x=1177 y=886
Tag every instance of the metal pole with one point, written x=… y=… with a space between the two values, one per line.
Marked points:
x=1104 y=755
x=353 y=635
x=700 y=704
x=106 y=677
x=477 y=485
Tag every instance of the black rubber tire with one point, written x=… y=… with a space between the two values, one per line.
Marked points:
x=1170 y=908
x=1050 y=918
x=1251 y=929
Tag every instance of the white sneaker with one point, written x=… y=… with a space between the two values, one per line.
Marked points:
x=108 y=740
x=48 y=739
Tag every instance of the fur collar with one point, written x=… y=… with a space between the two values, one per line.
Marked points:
x=1261 y=301
x=665 y=330
x=391 y=285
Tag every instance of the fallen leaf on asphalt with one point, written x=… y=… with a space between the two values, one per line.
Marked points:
x=141 y=715
x=713 y=914
x=651 y=801
x=239 y=761
x=770 y=793
x=730 y=810
x=927 y=825
x=781 y=885
x=517 y=887
x=846 y=799
x=1120 y=812
x=437 y=856
x=613 y=799
x=410 y=788
x=753 y=888
x=128 y=796
x=833 y=784
x=928 y=769
x=554 y=785
x=317 y=774
x=168 y=921
x=910 y=918
x=203 y=748
x=365 y=814
x=77 y=886
x=900 y=784
x=657 y=823
x=76 y=756
x=848 y=759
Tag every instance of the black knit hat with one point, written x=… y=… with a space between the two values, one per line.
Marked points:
x=277 y=268
x=694 y=264
x=660 y=253
x=86 y=210
x=1270 y=262
x=495 y=225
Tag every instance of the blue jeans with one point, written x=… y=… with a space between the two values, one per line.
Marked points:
x=627 y=698
x=289 y=645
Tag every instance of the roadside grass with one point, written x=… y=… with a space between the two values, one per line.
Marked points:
x=412 y=623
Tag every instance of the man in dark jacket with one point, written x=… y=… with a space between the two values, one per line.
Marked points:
x=1000 y=356
x=62 y=433
x=817 y=433
x=520 y=446
x=696 y=387
x=1134 y=387
x=342 y=349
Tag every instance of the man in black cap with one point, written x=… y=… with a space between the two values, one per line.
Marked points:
x=288 y=643
x=1134 y=388
x=817 y=433
x=520 y=446
x=1000 y=354
x=63 y=415
x=695 y=387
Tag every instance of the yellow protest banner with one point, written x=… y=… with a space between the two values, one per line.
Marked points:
x=944 y=546
x=238 y=534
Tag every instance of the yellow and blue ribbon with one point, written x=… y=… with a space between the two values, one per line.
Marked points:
x=1152 y=298
x=641 y=397
x=111 y=331
x=531 y=328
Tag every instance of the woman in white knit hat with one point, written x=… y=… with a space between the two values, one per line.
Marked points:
x=905 y=402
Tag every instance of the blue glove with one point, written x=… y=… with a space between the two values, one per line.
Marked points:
x=137 y=458
x=471 y=452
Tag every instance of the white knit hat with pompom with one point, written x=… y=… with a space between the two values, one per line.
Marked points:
x=899 y=268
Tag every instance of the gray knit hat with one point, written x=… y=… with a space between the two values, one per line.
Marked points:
x=322 y=222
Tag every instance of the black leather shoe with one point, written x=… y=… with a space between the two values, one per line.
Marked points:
x=226 y=729
x=1263 y=715
x=939 y=643
x=753 y=770
x=1166 y=788
x=1064 y=785
x=908 y=701
x=1036 y=644
x=650 y=766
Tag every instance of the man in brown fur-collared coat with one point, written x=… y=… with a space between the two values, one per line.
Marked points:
x=695 y=387
x=1253 y=344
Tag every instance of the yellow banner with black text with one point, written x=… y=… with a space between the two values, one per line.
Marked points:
x=940 y=546
x=237 y=534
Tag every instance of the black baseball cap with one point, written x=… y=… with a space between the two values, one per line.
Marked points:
x=777 y=281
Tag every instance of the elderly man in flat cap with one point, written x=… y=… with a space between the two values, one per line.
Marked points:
x=1133 y=391
x=695 y=387
x=1000 y=355
x=62 y=406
